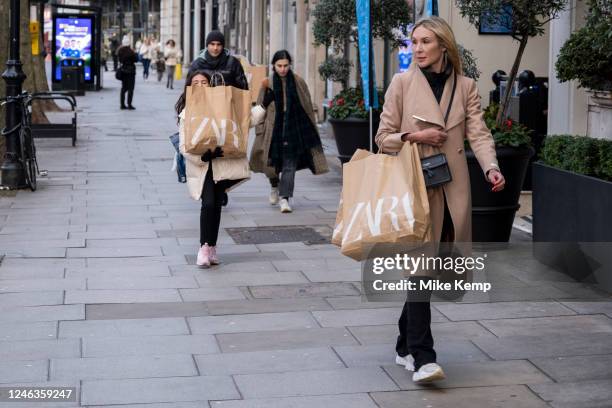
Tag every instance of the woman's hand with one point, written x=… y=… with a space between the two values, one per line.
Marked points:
x=497 y=179
x=431 y=136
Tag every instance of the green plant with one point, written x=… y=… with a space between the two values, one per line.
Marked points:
x=468 y=63
x=349 y=103
x=587 y=55
x=579 y=154
x=510 y=133
x=335 y=26
x=337 y=69
x=527 y=18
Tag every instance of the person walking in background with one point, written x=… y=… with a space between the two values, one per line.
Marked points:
x=210 y=176
x=114 y=46
x=146 y=52
x=215 y=59
x=172 y=56
x=436 y=107
x=288 y=140
x=105 y=54
x=128 y=58
x=160 y=65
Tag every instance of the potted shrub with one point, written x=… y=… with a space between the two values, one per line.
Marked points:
x=587 y=57
x=493 y=213
x=335 y=27
x=572 y=197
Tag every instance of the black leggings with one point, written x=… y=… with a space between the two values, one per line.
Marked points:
x=210 y=213
x=127 y=86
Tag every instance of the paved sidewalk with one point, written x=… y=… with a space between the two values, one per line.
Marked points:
x=98 y=290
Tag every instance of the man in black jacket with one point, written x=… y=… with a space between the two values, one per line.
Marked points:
x=217 y=60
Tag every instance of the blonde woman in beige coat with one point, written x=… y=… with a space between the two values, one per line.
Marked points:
x=414 y=111
x=210 y=176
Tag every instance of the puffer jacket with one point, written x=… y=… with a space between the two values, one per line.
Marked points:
x=226 y=65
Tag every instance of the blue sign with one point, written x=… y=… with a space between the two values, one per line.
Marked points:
x=366 y=52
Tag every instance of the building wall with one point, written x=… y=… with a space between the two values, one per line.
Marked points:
x=170 y=21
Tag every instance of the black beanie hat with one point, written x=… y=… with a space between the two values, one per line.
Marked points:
x=215 y=36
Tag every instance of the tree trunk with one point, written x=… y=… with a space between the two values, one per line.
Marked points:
x=501 y=115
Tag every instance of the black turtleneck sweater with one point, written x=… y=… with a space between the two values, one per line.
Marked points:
x=437 y=81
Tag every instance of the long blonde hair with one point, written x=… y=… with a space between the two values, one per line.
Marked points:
x=446 y=38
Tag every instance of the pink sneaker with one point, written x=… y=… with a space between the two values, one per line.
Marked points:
x=214 y=259
x=203 y=256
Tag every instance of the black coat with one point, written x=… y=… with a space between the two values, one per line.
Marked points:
x=226 y=65
x=128 y=59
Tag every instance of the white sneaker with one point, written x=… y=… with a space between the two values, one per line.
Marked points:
x=428 y=373
x=284 y=206
x=407 y=361
x=274 y=196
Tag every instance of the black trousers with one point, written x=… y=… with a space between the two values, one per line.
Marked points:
x=210 y=213
x=415 y=336
x=415 y=331
x=127 y=86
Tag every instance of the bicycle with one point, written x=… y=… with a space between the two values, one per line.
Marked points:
x=27 y=152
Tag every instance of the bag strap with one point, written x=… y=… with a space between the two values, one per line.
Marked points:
x=214 y=79
x=450 y=104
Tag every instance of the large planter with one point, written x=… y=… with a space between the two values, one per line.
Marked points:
x=599 y=120
x=352 y=134
x=493 y=213
x=571 y=224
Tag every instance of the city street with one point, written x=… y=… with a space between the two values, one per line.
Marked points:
x=99 y=290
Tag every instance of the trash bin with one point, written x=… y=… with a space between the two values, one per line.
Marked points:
x=73 y=76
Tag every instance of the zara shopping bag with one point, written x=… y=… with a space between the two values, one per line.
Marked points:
x=217 y=117
x=384 y=200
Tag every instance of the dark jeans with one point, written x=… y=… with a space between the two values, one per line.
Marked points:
x=170 y=81
x=415 y=330
x=127 y=86
x=210 y=213
x=287 y=179
x=146 y=63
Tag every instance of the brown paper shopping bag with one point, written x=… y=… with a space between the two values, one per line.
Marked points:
x=217 y=117
x=257 y=73
x=384 y=200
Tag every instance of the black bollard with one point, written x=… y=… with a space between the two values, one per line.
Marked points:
x=12 y=172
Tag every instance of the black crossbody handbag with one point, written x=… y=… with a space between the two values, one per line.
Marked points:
x=435 y=168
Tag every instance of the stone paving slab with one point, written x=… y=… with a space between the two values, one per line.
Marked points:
x=31 y=273
x=304 y=290
x=364 y=317
x=113 y=252
x=23 y=371
x=122 y=296
x=576 y=394
x=590 y=307
x=31 y=299
x=28 y=331
x=171 y=389
x=120 y=272
x=284 y=340
x=149 y=345
x=145 y=310
x=251 y=323
x=515 y=396
x=550 y=326
x=211 y=294
x=250 y=306
x=384 y=354
x=576 y=368
x=35 y=285
x=475 y=374
x=503 y=310
x=518 y=347
x=315 y=382
x=212 y=279
x=39 y=349
x=319 y=401
x=141 y=283
x=464 y=330
x=197 y=404
x=171 y=365
x=268 y=361
x=42 y=313
x=123 y=328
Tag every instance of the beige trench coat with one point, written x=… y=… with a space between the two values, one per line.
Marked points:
x=409 y=96
x=263 y=132
x=223 y=168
